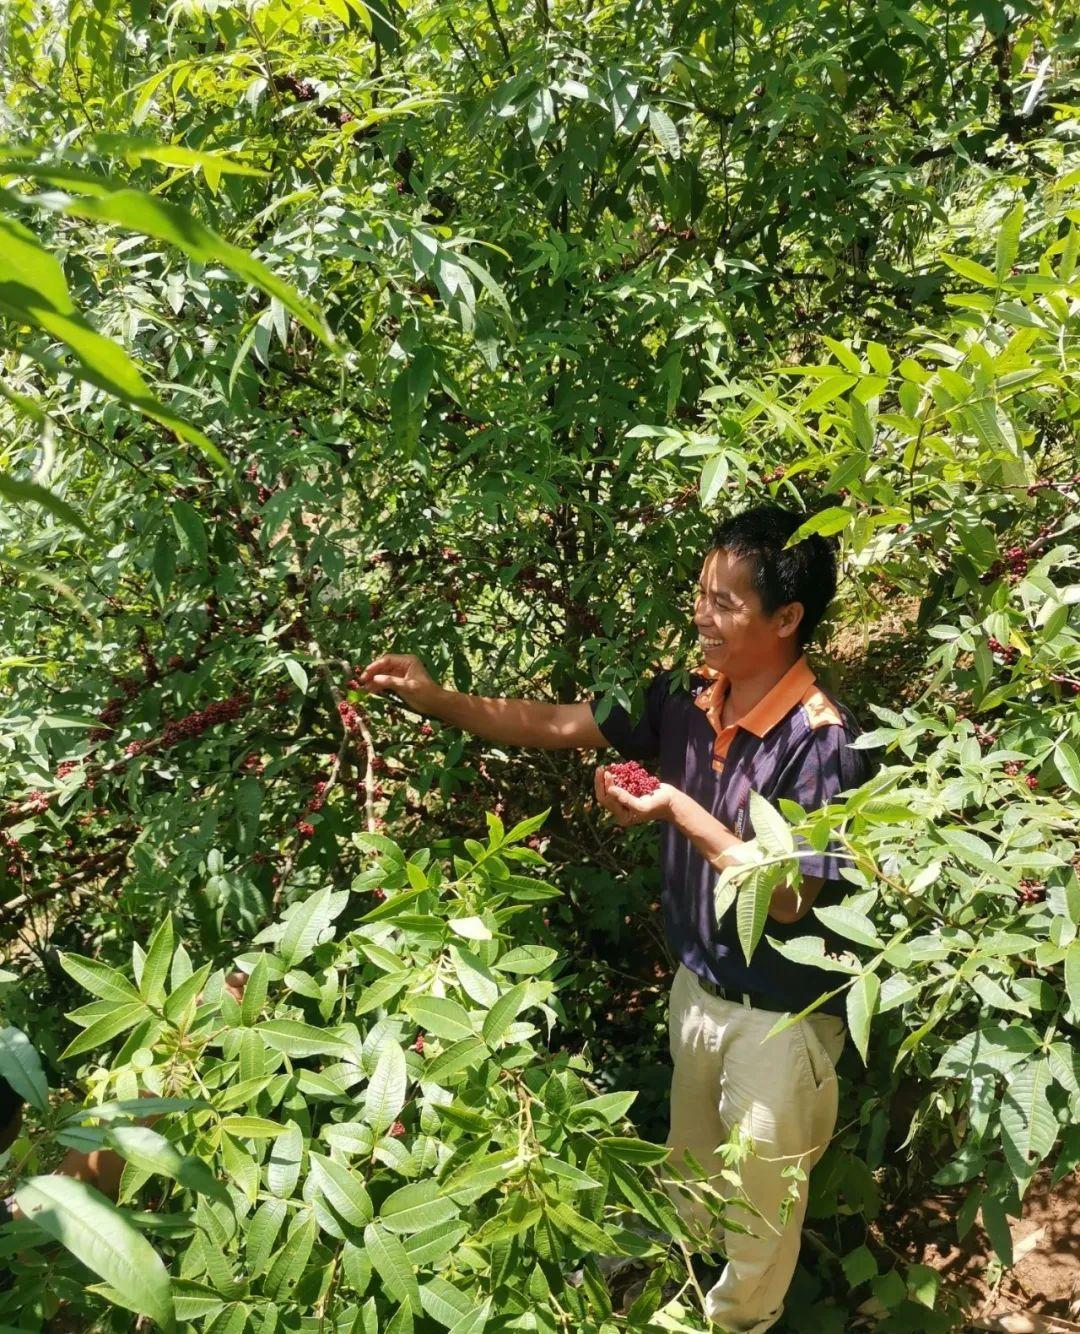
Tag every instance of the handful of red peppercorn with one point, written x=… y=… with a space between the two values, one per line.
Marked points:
x=632 y=778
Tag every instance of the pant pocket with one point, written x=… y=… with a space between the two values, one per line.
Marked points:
x=818 y=1064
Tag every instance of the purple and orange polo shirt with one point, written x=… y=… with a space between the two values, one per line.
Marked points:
x=794 y=743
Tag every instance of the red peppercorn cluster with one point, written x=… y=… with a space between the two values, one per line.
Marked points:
x=632 y=778
x=426 y=730
x=109 y=716
x=418 y=1045
x=984 y=736
x=1031 y=891
x=318 y=800
x=66 y=767
x=350 y=719
x=304 y=829
x=1008 y=654
x=1015 y=561
x=776 y=475
x=34 y=803
x=396 y=1130
x=16 y=853
x=1012 y=768
x=221 y=711
x=1032 y=781
x=254 y=764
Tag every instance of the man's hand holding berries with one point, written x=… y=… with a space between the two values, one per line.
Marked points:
x=405 y=675
x=631 y=795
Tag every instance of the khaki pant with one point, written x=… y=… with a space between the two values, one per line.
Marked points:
x=783 y=1095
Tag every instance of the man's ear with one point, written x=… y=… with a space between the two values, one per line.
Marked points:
x=788 y=618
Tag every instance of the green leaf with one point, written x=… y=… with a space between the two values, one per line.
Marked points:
x=98 y=978
x=178 y=1002
x=608 y=1107
x=626 y=1149
x=33 y=291
x=1008 y=242
x=151 y=1152
x=392 y=1264
x=503 y=1013
x=861 y=1003
x=155 y=969
x=527 y=959
x=476 y=1321
x=1068 y=766
x=103 y=1030
x=386 y=1089
x=663 y=127
x=342 y=1188
x=30 y=493
x=100 y=1237
x=441 y=1017
x=472 y=928
x=770 y=828
x=1028 y=1124
x=153 y=216
x=286 y=1155
x=298 y=1040
x=461 y=1056
x=287 y=1267
x=859 y=1266
x=304 y=927
x=21 y=1066
x=253 y=1127
x=1072 y=976
x=417 y=1206
x=190 y=530
x=968 y=268
x=752 y=907
x=827 y=522
x=850 y=924
x=255 y=992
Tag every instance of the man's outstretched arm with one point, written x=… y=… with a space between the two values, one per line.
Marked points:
x=513 y=722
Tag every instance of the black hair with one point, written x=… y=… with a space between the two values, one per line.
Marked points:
x=10 y=1115
x=803 y=573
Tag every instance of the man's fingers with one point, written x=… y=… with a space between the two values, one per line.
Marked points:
x=390 y=682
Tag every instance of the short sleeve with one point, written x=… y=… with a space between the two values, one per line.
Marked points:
x=636 y=738
x=817 y=775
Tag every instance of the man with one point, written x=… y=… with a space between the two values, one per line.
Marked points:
x=754 y=719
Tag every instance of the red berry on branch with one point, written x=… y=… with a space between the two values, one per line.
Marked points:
x=426 y=730
x=418 y=1045
x=396 y=1130
x=1032 y=781
x=379 y=895
x=632 y=778
x=304 y=829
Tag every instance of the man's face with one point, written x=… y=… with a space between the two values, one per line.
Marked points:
x=734 y=633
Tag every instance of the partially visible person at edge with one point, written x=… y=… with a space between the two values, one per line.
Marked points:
x=753 y=719
x=100 y=1168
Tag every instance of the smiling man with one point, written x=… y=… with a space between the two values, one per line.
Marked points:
x=753 y=720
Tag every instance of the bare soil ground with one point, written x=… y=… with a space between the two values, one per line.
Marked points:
x=1040 y=1293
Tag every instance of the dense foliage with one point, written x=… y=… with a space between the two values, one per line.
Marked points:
x=330 y=326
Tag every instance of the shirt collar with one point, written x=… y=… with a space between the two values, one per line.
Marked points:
x=769 y=710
